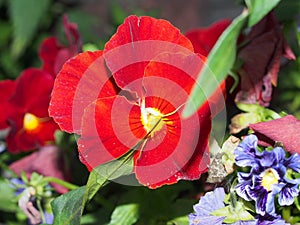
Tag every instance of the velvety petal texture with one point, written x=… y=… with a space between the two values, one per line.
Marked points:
x=80 y=82
x=135 y=103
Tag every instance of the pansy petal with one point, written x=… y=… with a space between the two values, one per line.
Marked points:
x=287 y=194
x=293 y=162
x=242 y=188
x=205 y=220
x=204 y=39
x=80 y=82
x=107 y=130
x=55 y=55
x=245 y=153
x=48 y=51
x=260 y=195
x=268 y=159
x=32 y=93
x=180 y=151
x=130 y=41
x=179 y=154
x=210 y=202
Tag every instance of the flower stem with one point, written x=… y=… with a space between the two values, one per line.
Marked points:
x=61 y=182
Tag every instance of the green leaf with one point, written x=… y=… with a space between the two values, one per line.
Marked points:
x=219 y=62
x=234 y=214
x=25 y=16
x=258 y=9
x=67 y=208
x=108 y=171
x=183 y=220
x=125 y=214
x=8 y=198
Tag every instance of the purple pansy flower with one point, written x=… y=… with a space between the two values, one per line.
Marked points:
x=267 y=176
x=210 y=202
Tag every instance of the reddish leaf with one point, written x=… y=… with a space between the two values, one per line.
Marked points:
x=47 y=161
x=260 y=68
x=285 y=130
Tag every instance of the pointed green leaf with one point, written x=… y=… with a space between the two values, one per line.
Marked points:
x=125 y=215
x=25 y=16
x=67 y=208
x=258 y=9
x=219 y=62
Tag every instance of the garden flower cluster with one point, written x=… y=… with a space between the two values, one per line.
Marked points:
x=147 y=111
x=270 y=184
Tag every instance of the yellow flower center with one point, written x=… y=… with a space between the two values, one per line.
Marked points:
x=152 y=119
x=269 y=177
x=30 y=122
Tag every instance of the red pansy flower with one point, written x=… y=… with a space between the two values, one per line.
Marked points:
x=26 y=99
x=28 y=119
x=138 y=108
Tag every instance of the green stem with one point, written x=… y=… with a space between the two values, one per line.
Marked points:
x=61 y=182
x=40 y=208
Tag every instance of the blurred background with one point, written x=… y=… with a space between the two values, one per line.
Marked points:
x=24 y=24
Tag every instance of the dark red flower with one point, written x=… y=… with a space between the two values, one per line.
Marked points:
x=138 y=108
x=265 y=46
x=54 y=55
x=27 y=111
x=26 y=100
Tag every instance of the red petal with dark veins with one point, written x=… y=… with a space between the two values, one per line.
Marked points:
x=32 y=92
x=133 y=44
x=181 y=150
x=48 y=161
x=80 y=82
x=7 y=88
x=106 y=130
x=285 y=130
x=204 y=39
